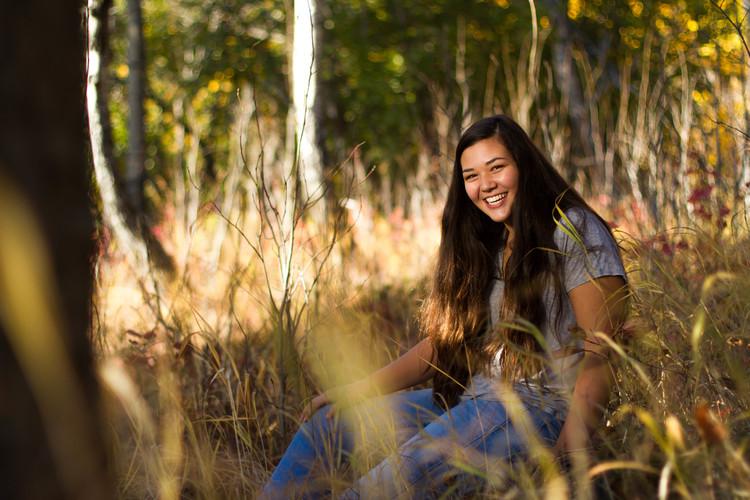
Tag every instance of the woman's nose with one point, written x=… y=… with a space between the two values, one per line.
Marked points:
x=486 y=182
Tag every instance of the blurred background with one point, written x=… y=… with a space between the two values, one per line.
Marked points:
x=632 y=101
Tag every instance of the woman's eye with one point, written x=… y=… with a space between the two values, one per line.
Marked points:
x=469 y=177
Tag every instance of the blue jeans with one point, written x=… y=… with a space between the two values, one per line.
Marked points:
x=426 y=450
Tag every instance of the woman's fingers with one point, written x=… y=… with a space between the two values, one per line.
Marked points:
x=308 y=410
x=342 y=395
x=315 y=403
x=305 y=413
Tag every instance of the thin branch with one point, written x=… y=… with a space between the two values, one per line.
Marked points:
x=737 y=26
x=744 y=134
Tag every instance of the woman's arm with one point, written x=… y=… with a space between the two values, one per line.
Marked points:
x=411 y=368
x=599 y=306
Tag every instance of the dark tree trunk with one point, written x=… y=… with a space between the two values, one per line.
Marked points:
x=44 y=161
x=567 y=77
x=136 y=94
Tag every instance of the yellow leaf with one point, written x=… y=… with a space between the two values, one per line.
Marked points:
x=122 y=71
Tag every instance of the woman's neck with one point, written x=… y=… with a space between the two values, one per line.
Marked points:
x=508 y=236
x=508 y=247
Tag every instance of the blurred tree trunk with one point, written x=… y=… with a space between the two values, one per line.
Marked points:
x=567 y=78
x=428 y=156
x=136 y=93
x=304 y=83
x=187 y=175
x=744 y=141
x=522 y=82
x=328 y=120
x=461 y=78
x=101 y=136
x=238 y=154
x=99 y=59
x=682 y=118
x=301 y=181
x=49 y=420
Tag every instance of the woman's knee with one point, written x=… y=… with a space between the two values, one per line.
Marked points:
x=320 y=427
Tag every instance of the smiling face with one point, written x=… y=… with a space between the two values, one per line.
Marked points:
x=491 y=178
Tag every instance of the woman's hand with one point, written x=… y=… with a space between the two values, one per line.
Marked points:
x=316 y=403
x=338 y=397
x=413 y=367
x=575 y=434
x=574 y=439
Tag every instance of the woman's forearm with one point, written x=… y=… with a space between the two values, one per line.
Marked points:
x=599 y=306
x=413 y=367
x=590 y=396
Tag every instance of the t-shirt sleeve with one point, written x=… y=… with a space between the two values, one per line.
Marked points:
x=588 y=249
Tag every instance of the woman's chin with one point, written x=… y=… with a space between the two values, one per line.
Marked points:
x=497 y=216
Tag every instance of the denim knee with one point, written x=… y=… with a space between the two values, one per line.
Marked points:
x=310 y=447
x=319 y=428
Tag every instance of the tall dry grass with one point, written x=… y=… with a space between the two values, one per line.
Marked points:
x=205 y=376
x=192 y=388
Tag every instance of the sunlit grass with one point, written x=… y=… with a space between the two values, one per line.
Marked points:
x=194 y=385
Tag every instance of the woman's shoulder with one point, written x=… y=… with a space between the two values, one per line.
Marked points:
x=582 y=226
x=587 y=247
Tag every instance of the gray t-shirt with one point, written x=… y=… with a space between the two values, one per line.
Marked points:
x=588 y=252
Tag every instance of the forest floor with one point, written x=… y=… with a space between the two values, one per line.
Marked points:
x=202 y=393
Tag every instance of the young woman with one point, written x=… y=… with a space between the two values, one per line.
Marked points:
x=519 y=248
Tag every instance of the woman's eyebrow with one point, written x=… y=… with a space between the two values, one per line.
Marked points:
x=468 y=169
x=495 y=159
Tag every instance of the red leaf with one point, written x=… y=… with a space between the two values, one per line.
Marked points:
x=700 y=194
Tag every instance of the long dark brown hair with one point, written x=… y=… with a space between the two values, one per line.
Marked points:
x=455 y=315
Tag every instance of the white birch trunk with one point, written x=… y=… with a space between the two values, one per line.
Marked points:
x=179 y=231
x=634 y=148
x=304 y=93
x=192 y=188
x=682 y=116
x=301 y=178
x=131 y=246
x=743 y=143
x=523 y=82
x=488 y=104
x=463 y=84
x=443 y=111
x=238 y=148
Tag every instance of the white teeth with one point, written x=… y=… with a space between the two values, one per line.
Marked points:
x=495 y=199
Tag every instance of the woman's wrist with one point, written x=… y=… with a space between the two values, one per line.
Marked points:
x=363 y=388
x=348 y=393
